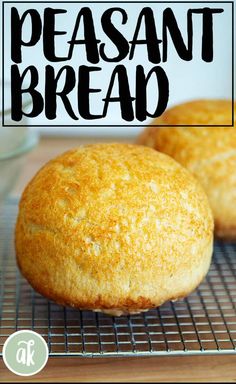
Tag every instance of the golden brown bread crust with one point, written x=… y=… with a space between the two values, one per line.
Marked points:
x=209 y=153
x=114 y=227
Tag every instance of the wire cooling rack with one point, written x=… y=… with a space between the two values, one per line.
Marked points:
x=203 y=323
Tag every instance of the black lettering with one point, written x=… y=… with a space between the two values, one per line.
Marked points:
x=17 y=91
x=170 y=24
x=115 y=36
x=124 y=98
x=90 y=41
x=84 y=91
x=16 y=32
x=49 y=34
x=141 y=92
x=151 y=40
x=51 y=92
x=207 y=31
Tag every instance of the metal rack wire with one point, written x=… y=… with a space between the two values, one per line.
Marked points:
x=203 y=323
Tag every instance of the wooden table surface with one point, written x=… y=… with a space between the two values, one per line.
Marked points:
x=149 y=369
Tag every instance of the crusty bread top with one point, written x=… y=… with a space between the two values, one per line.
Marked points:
x=199 y=112
x=107 y=181
x=193 y=144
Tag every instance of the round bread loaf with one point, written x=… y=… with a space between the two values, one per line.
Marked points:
x=209 y=153
x=115 y=228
